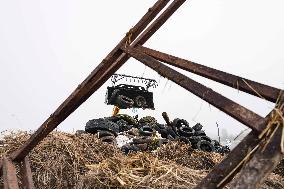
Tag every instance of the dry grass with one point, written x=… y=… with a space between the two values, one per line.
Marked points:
x=81 y=161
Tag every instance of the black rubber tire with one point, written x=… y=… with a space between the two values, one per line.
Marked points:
x=180 y=122
x=216 y=143
x=123 y=125
x=112 y=118
x=185 y=131
x=103 y=133
x=146 y=130
x=124 y=102
x=94 y=125
x=206 y=146
x=159 y=127
x=147 y=120
x=108 y=139
x=207 y=139
x=114 y=95
x=140 y=101
x=199 y=133
x=171 y=134
x=194 y=140
x=197 y=127
x=131 y=120
x=184 y=140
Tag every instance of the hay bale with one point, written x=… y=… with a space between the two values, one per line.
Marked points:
x=139 y=170
x=184 y=155
x=61 y=158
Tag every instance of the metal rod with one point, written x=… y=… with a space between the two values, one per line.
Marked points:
x=9 y=174
x=84 y=90
x=242 y=84
x=26 y=174
x=240 y=113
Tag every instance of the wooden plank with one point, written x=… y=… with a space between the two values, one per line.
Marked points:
x=242 y=84
x=9 y=174
x=240 y=113
x=86 y=88
x=26 y=174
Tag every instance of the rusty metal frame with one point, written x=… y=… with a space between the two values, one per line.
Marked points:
x=9 y=174
x=253 y=148
x=26 y=174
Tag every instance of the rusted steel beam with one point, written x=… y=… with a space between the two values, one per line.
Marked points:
x=9 y=174
x=141 y=40
x=261 y=165
x=26 y=174
x=242 y=84
x=267 y=156
x=86 y=88
x=230 y=165
x=226 y=105
x=233 y=162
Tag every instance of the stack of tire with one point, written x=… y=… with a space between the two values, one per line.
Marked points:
x=108 y=128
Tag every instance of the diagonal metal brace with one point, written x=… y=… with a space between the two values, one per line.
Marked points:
x=86 y=88
x=240 y=113
x=242 y=84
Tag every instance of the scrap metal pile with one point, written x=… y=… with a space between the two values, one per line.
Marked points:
x=146 y=134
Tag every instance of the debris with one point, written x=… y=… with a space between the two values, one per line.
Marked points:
x=147 y=127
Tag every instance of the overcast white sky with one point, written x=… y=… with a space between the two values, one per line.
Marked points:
x=48 y=47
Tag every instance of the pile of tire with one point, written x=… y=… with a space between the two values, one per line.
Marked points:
x=107 y=129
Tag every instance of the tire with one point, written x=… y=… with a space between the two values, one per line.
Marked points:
x=206 y=146
x=102 y=133
x=108 y=139
x=123 y=125
x=114 y=95
x=186 y=131
x=146 y=131
x=207 y=139
x=158 y=127
x=184 y=140
x=124 y=102
x=199 y=133
x=147 y=120
x=194 y=140
x=171 y=134
x=94 y=125
x=128 y=118
x=197 y=127
x=140 y=101
x=180 y=122
x=216 y=143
